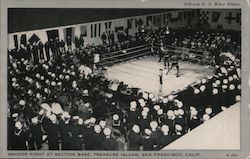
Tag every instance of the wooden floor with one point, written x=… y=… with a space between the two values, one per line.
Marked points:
x=143 y=73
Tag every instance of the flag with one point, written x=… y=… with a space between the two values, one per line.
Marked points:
x=216 y=16
x=204 y=16
x=230 y=18
x=33 y=39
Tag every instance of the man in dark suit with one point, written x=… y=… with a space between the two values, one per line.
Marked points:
x=134 y=139
x=109 y=143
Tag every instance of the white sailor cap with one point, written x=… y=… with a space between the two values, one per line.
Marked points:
x=102 y=123
x=59 y=83
x=65 y=114
x=170 y=97
x=208 y=110
x=34 y=120
x=144 y=113
x=203 y=81
x=97 y=128
x=53 y=75
x=176 y=112
x=153 y=124
x=14 y=115
x=18 y=125
x=133 y=104
x=80 y=121
x=141 y=100
x=22 y=102
x=107 y=131
x=92 y=120
x=156 y=107
x=148 y=131
x=230 y=79
x=215 y=85
x=115 y=117
x=181 y=111
x=42 y=77
x=199 y=81
x=145 y=95
x=202 y=88
x=237 y=98
x=86 y=105
x=151 y=96
x=160 y=111
x=215 y=91
x=165 y=128
x=136 y=128
x=231 y=87
x=153 y=99
x=196 y=91
x=87 y=122
x=206 y=117
x=38 y=75
x=209 y=77
x=218 y=82
x=170 y=113
x=239 y=87
x=235 y=76
x=225 y=81
x=178 y=127
x=194 y=112
x=53 y=117
x=146 y=109
x=165 y=100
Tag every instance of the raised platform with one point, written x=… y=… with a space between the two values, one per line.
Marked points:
x=143 y=73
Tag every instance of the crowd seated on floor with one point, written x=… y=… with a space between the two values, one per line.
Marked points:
x=55 y=101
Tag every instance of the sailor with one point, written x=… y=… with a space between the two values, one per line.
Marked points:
x=98 y=138
x=147 y=142
x=109 y=143
x=165 y=137
x=134 y=139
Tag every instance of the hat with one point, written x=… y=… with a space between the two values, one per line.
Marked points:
x=144 y=113
x=203 y=81
x=206 y=117
x=136 y=128
x=178 y=127
x=22 y=102
x=194 y=112
x=34 y=120
x=230 y=79
x=176 y=112
x=80 y=121
x=86 y=105
x=224 y=86
x=87 y=121
x=170 y=113
x=45 y=106
x=151 y=96
x=107 y=131
x=141 y=100
x=102 y=123
x=239 y=87
x=14 y=115
x=170 y=97
x=202 y=88
x=165 y=100
x=143 y=104
x=231 y=87
x=145 y=95
x=160 y=111
x=199 y=81
x=75 y=117
x=53 y=117
x=18 y=125
x=115 y=117
x=192 y=108
x=97 y=128
x=208 y=110
x=225 y=81
x=179 y=104
x=56 y=108
x=38 y=95
x=157 y=107
x=235 y=76
x=196 y=91
x=92 y=120
x=209 y=77
x=146 y=109
x=237 y=98
x=85 y=91
x=217 y=82
x=181 y=111
x=165 y=128
x=214 y=85
x=65 y=114
x=53 y=83
x=153 y=124
x=148 y=131
x=215 y=91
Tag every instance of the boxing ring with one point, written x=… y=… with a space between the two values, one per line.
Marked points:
x=139 y=67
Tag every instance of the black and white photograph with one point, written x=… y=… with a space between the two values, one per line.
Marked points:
x=119 y=79
x=123 y=79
